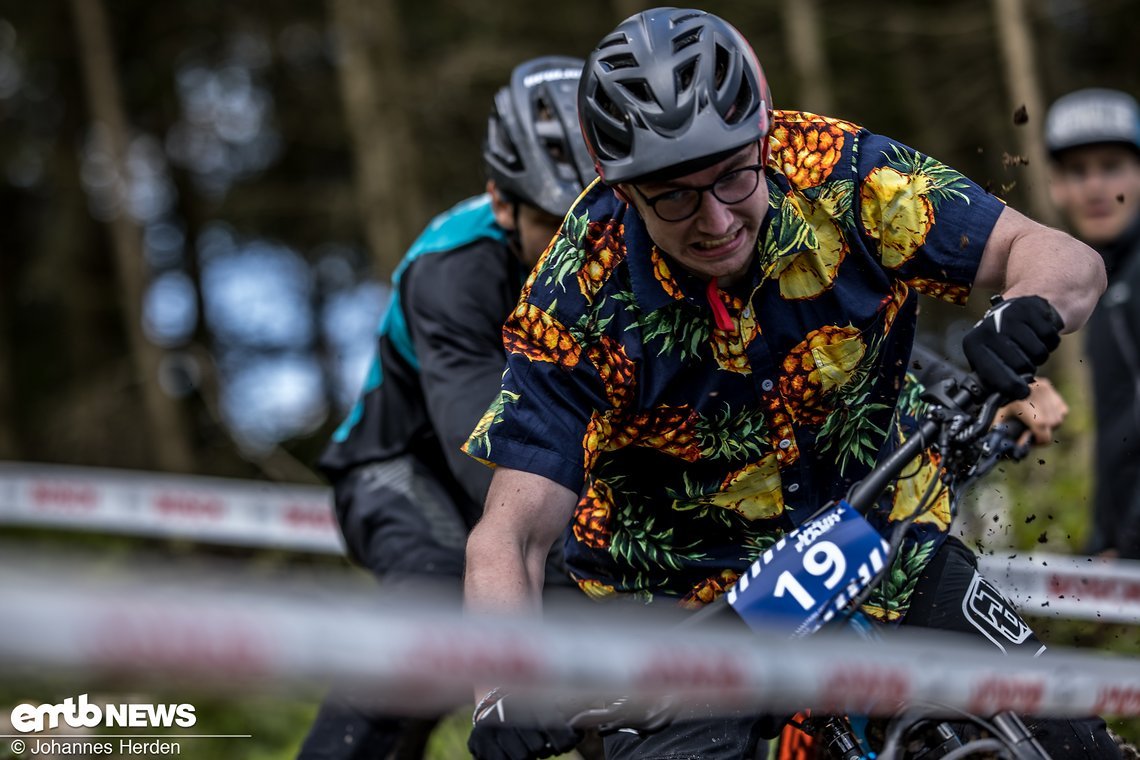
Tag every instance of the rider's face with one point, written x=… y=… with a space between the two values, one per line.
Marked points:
x=1098 y=189
x=718 y=240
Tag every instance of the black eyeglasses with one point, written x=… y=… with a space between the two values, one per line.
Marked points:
x=733 y=187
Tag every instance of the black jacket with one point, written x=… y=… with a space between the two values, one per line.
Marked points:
x=1112 y=341
x=439 y=360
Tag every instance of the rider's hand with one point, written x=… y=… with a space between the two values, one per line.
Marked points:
x=1014 y=338
x=1041 y=413
x=507 y=728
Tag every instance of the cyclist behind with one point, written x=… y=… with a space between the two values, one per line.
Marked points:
x=714 y=346
x=406 y=496
x=1093 y=138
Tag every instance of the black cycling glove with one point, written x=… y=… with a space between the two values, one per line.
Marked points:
x=1014 y=338
x=506 y=728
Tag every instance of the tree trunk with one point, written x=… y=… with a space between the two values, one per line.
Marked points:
x=166 y=428
x=1013 y=24
x=375 y=97
x=804 y=33
x=1018 y=55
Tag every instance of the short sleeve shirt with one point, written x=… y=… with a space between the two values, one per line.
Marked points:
x=694 y=447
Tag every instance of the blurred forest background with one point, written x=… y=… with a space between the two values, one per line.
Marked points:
x=203 y=201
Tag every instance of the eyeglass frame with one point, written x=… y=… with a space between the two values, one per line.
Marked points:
x=757 y=169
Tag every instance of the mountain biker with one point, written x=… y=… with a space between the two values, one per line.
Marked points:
x=1093 y=139
x=405 y=495
x=714 y=344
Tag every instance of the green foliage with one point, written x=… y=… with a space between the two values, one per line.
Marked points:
x=450 y=737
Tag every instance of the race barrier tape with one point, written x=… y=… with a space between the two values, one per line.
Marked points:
x=418 y=657
x=1057 y=585
x=195 y=508
x=300 y=518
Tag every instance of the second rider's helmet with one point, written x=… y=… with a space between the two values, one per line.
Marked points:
x=669 y=92
x=534 y=150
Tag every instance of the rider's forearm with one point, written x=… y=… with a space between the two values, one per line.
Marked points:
x=1066 y=273
x=500 y=576
x=506 y=552
x=1023 y=257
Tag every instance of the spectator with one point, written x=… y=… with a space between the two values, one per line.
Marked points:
x=1093 y=139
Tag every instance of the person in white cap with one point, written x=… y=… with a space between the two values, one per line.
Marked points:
x=1093 y=139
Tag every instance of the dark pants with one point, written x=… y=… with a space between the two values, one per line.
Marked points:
x=950 y=595
x=403 y=525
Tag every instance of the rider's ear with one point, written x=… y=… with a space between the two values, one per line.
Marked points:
x=501 y=207
x=623 y=196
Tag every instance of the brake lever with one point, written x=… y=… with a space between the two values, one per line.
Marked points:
x=982 y=421
x=1001 y=442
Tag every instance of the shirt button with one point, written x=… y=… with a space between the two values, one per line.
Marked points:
x=767 y=385
x=784 y=444
x=793 y=487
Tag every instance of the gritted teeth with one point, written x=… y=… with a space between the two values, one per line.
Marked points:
x=716 y=242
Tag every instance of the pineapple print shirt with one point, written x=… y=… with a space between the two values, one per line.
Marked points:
x=694 y=447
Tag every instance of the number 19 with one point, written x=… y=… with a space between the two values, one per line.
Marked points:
x=823 y=558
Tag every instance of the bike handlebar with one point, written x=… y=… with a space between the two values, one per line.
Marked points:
x=953 y=396
x=864 y=493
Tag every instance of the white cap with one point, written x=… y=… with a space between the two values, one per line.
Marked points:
x=1092 y=116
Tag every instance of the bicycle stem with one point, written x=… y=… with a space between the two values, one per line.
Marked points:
x=864 y=494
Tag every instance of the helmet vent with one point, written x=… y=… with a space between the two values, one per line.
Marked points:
x=611 y=108
x=639 y=89
x=691 y=37
x=548 y=131
x=613 y=39
x=610 y=149
x=542 y=110
x=720 y=70
x=683 y=17
x=744 y=104
x=619 y=61
x=685 y=75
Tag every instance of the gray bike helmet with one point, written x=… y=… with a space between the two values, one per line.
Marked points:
x=534 y=150
x=669 y=92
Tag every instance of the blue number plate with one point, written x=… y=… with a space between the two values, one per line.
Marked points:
x=811 y=573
